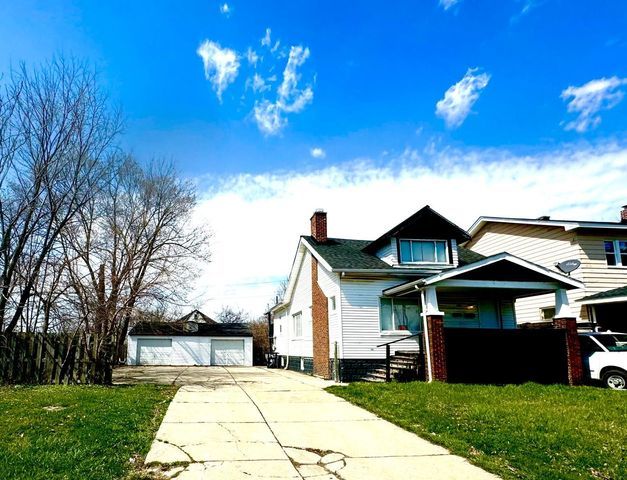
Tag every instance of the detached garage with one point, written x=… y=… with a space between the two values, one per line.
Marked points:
x=190 y=343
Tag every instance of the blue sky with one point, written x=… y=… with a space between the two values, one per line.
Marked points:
x=368 y=109
x=376 y=71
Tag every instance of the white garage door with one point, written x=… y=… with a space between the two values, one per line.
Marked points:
x=227 y=352
x=154 y=351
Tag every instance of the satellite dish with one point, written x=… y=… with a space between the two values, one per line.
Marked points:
x=568 y=266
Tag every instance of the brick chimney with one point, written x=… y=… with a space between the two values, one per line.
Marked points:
x=319 y=225
x=623 y=214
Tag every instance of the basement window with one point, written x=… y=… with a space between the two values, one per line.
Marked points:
x=547 y=314
x=396 y=315
x=616 y=253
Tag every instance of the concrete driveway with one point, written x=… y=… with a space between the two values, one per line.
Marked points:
x=252 y=423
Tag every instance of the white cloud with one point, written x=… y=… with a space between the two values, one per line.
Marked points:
x=289 y=98
x=225 y=9
x=460 y=184
x=252 y=57
x=459 y=98
x=528 y=6
x=589 y=99
x=268 y=117
x=317 y=152
x=446 y=4
x=221 y=65
x=258 y=84
x=267 y=40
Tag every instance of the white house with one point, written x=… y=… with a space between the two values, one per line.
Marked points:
x=345 y=298
x=193 y=340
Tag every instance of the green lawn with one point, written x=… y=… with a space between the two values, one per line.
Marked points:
x=529 y=431
x=77 y=432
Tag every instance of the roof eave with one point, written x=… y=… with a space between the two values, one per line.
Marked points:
x=566 y=225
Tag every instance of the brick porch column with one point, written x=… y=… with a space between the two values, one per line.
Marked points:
x=437 y=347
x=434 y=328
x=566 y=320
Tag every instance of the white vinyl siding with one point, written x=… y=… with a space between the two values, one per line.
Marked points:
x=388 y=253
x=361 y=332
x=454 y=252
x=596 y=273
x=287 y=343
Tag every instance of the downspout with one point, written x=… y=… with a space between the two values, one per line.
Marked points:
x=423 y=305
x=287 y=357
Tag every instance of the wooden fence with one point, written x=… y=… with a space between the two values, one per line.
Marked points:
x=35 y=358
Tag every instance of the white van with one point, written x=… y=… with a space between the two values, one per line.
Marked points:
x=605 y=357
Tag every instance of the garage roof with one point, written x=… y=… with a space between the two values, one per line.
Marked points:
x=191 y=329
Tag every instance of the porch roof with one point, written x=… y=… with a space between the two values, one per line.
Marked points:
x=609 y=296
x=504 y=271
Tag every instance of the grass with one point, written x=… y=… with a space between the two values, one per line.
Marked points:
x=519 y=431
x=77 y=432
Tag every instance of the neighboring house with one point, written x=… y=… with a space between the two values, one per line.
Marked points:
x=194 y=339
x=346 y=297
x=601 y=247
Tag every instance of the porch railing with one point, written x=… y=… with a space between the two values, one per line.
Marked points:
x=388 y=373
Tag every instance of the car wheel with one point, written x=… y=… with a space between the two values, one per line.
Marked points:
x=615 y=379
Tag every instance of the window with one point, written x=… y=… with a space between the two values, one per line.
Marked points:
x=396 y=314
x=460 y=313
x=297 y=321
x=616 y=252
x=423 y=251
x=614 y=342
x=588 y=346
x=332 y=303
x=547 y=314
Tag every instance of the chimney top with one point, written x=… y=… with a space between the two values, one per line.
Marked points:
x=623 y=214
x=319 y=225
x=544 y=217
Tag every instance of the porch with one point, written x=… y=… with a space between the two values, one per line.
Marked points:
x=469 y=327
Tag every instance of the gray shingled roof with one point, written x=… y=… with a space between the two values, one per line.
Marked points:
x=191 y=329
x=349 y=254
x=614 y=293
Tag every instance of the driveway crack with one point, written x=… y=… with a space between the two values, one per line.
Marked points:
x=265 y=421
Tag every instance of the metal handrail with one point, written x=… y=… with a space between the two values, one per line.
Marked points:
x=387 y=353
x=399 y=340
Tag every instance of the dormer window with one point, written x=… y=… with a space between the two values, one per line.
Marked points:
x=424 y=251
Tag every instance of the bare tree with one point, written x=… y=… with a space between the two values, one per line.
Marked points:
x=232 y=315
x=134 y=249
x=55 y=131
x=279 y=294
x=261 y=341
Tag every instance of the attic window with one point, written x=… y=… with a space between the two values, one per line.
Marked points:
x=423 y=251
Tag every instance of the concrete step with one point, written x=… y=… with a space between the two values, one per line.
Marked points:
x=413 y=355
x=403 y=361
